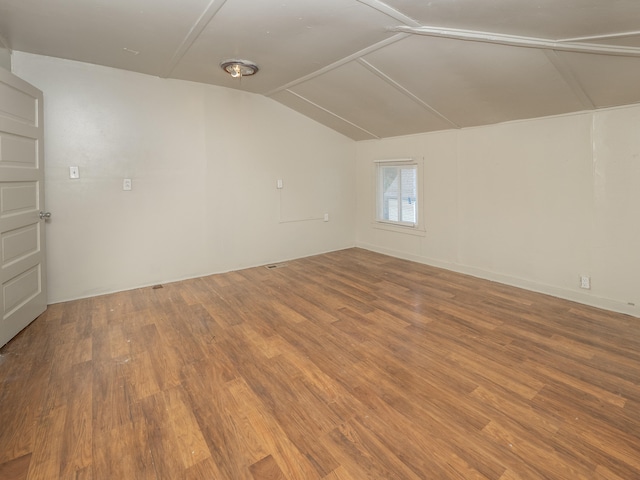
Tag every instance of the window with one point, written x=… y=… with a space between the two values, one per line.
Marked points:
x=397 y=192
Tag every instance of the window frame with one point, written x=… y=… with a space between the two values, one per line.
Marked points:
x=416 y=228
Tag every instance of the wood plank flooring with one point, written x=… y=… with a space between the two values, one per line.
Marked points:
x=349 y=365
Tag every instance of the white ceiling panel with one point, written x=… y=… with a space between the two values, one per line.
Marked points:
x=365 y=68
x=477 y=83
x=356 y=94
x=287 y=40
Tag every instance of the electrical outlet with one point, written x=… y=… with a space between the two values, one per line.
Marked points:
x=126 y=184
x=585 y=282
x=74 y=172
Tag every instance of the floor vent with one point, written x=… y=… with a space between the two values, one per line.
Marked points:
x=156 y=287
x=275 y=265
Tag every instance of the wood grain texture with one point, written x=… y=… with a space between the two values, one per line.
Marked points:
x=349 y=365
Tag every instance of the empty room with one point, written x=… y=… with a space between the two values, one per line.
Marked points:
x=338 y=239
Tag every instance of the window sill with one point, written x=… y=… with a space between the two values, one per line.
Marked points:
x=407 y=230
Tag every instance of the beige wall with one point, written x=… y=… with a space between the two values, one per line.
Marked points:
x=204 y=162
x=533 y=203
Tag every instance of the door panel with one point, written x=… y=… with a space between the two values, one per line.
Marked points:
x=16 y=150
x=19 y=243
x=18 y=197
x=16 y=103
x=23 y=294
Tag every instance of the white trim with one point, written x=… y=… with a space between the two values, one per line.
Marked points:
x=339 y=63
x=520 y=41
x=181 y=278
x=390 y=11
x=407 y=160
x=329 y=112
x=195 y=32
x=406 y=92
x=399 y=228
x=606 y=36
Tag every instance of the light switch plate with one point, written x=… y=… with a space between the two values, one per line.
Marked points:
x=74 y=172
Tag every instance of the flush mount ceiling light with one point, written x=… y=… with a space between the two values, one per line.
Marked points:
x=239 y=68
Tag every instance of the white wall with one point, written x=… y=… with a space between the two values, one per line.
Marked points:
x=204 y=162
x=532 y=203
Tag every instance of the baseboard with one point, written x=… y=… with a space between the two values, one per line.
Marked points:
x=574 y=296
x=125 y=288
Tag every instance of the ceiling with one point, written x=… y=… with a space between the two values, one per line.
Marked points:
x=365 y=68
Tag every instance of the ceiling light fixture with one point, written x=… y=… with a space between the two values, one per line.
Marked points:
x=239 y=68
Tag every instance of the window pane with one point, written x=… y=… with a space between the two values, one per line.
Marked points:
x=390 y=189
x=397 y=194
x=409 y=194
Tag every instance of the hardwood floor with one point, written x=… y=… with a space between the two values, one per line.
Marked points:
x=348 y=365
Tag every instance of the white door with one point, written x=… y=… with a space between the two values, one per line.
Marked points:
x=23 y=294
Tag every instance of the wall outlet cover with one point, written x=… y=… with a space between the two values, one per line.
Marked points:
x=585 y=282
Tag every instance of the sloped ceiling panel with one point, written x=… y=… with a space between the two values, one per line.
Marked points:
x=477 y=83
x=321 y=115
x=358 y=95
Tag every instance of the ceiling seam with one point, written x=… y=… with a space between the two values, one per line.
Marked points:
x=339 y=63
x=406 y=92
x=519 y=41
x=606 y=36
x=570 y=78
x=209 y=12
x=373 y=135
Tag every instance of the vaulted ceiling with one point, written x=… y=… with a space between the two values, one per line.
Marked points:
x=366 y=68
